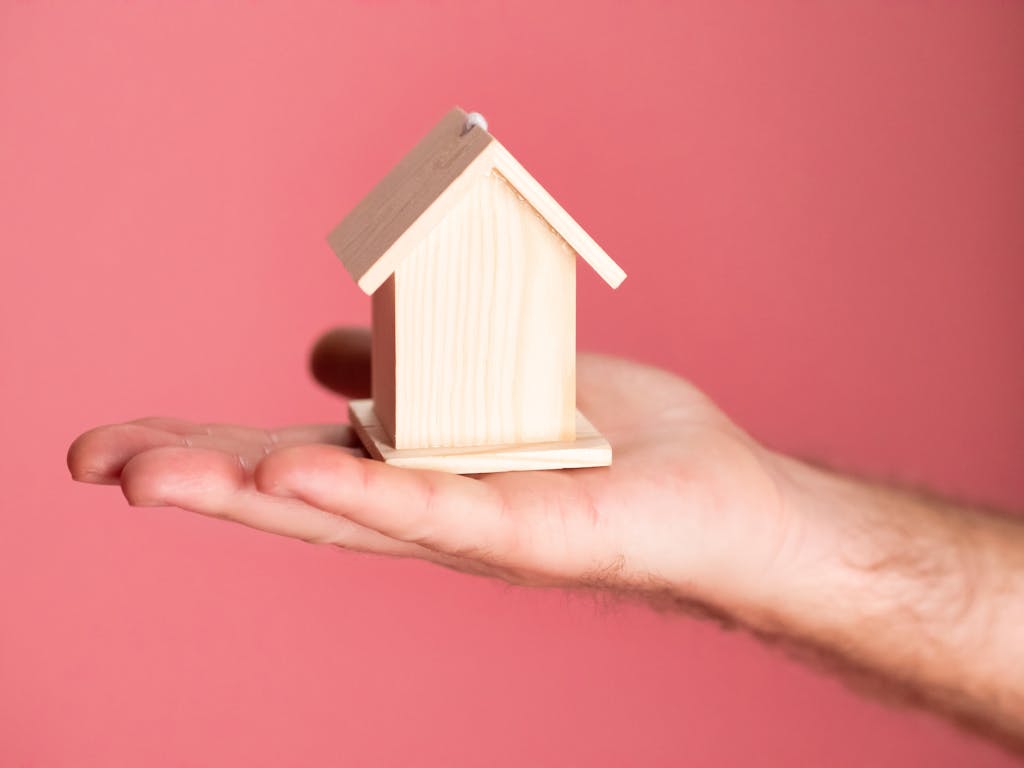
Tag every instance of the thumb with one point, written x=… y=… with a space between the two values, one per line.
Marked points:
x=340 y=361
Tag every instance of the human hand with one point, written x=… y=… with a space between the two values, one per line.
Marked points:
x=691 y=505
x=915 y=592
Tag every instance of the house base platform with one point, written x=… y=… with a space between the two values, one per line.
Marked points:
x=589 y=449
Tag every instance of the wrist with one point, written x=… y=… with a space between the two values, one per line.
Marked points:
x=760 y=559
x=815 y=551
x=854 y=549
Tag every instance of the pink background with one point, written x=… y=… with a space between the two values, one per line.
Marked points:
x=821 y=208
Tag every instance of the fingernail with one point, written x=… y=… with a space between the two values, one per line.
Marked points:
x=134 y=500
x=146 y=503
x=93 y=477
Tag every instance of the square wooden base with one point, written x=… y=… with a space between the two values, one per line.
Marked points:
x=589 y=449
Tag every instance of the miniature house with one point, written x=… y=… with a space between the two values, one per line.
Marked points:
x=472 y=270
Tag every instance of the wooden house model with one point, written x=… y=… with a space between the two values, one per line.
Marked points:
x=472 y=268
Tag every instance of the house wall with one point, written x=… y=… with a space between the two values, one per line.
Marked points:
x=485 y=322
x=382 y=359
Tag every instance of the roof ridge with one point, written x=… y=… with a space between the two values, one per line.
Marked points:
x=403 y=207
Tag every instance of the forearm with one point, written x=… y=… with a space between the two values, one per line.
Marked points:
x=922 y=595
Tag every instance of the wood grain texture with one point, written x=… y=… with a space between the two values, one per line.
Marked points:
x=588 y=449
x=389 y=224
x=382 y=355
x=406 y=204
x=485 y=322
x=555 y=215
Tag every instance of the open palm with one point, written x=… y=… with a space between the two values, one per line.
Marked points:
x=690 y=500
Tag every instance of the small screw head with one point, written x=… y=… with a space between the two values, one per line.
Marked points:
x=473 y=120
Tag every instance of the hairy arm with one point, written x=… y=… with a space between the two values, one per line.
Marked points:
x=921 y=599
x=917 y=599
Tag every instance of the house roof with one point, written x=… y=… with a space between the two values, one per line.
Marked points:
x=402 y=209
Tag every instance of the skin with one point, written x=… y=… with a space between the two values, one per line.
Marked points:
x=917 y=598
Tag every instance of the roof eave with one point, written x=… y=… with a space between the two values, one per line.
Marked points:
x=555 y=215
x=402 y=209
x=378 y=273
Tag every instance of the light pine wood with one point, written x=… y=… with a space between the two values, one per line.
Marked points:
x=406 y=204
x=588 y=449
x=485 y=321
x=555 y=215
x=382 y=355
x=388 y=225
x=472 y=268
